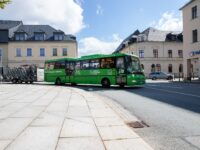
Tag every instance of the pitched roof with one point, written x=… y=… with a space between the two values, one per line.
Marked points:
x=49 y=31
x=151 y=35
x=7 y=24
x=188 y=3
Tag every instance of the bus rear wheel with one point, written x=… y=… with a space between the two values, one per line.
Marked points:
x=58 y=81
x=105 y=83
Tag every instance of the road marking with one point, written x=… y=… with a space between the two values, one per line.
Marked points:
x=174 y=92
x=166 y=86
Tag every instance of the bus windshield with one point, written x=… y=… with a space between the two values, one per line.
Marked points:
x=133 y=65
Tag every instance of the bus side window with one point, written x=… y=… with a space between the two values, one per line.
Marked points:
x=120 y=62
x=107 y=63
x=59 y=65
x=78 y=65
x=85 y=64
x=51 y=65
x=47 y=66
x=94 y=64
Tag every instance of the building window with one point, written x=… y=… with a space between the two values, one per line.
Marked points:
x=58 y=37
x=29 y=52
x=64 y=52
x=20 y=37
x=18 y=52
x=170 y=69
x=55 y=52
x=141 y=53
x=158 y=67
x=170 y=53
x=180 y=53
x=194 y=12
x=155 y=53
x=153 y=69
x=195 y=36
x=39 y=36
x=42 y=52
x=181 y=68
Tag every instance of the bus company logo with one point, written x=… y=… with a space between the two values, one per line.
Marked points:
x=194 y=53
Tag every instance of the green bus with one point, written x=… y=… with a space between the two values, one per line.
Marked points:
x=114 y=69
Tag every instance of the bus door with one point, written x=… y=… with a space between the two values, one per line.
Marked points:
x=69 y=71
x=121 y=77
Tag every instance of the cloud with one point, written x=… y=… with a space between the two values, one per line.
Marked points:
x=169 y=22
x=99 y=10
x=61 y=14
x=93 y=45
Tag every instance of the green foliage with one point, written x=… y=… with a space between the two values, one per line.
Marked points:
x=3 y=3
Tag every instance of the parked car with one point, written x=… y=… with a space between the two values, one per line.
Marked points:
x=161 y=75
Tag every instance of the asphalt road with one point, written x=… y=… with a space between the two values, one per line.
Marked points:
x=172 y=110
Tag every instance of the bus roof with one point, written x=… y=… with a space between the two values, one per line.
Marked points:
x=95 y=56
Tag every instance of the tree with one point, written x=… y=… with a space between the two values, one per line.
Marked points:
x=3 y=3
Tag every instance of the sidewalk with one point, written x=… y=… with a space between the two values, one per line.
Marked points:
x=39 y=117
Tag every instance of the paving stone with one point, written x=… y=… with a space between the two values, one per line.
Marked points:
x=78 y=111
x=57 y=107
x=116 y=132
x=108 y=121
x=103 y=113
x=4 y=115
x=77 y=102
x=42 y=102
x=86 y=143
x=28 y=112
x=97 y=105
x=195 y=140
x=11 y=127
x=49 y=119
x=36 y=138
x=13 y=107
x=4 y=144
x=127 y=144
x=79 y=127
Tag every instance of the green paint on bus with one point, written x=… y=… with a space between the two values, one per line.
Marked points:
x=114 y=69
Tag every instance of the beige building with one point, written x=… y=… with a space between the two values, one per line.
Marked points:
x=191 y=33
x=157 y=50
x=33 y=44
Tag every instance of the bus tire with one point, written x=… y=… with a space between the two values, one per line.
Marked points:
x=121 y=85
x=105 y=83
x=58 y=81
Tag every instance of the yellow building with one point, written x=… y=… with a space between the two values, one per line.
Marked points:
x=191 y=33
x=157 y=50
x=33 y=44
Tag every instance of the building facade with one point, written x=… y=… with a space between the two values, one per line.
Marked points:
x=191 y=33
x=157 y=50
x=33 y=44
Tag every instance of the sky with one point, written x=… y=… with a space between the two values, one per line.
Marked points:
x=99 y=25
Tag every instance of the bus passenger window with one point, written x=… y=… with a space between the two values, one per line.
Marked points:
x=94 y=64
x=78 y=65
x=107 y=63
x=85 y=64
x=120 y=62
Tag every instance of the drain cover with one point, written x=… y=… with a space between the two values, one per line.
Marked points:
x=137 y=124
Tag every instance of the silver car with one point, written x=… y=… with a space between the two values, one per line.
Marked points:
x=160 y=75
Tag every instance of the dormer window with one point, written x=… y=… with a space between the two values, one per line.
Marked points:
x=20 y=36
x=39 y=36
x=58 y=37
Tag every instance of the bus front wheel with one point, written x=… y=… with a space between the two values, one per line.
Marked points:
x=105 y=83
x=58 y=81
